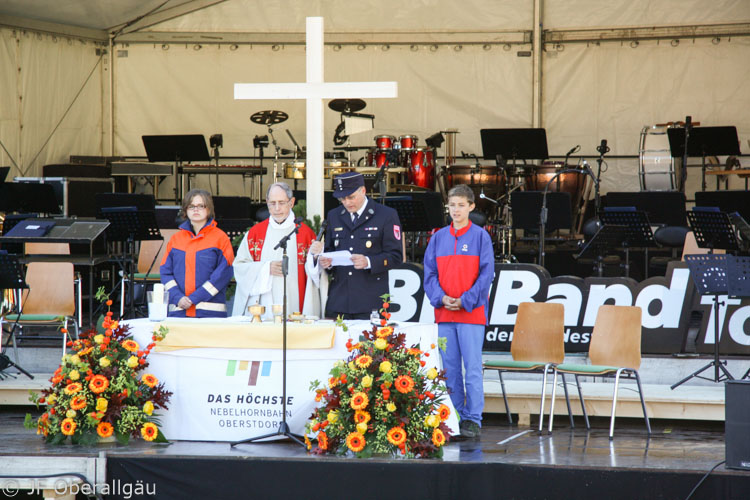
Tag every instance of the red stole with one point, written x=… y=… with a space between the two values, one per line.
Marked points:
x=305 y=236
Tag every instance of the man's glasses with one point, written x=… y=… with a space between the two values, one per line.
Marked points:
x=196 y=207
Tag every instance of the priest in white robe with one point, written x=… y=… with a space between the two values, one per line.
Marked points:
x=257 y=267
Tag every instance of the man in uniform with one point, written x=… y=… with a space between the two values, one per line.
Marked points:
x=372 y=233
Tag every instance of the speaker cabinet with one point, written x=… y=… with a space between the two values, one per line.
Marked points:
x=737 y=424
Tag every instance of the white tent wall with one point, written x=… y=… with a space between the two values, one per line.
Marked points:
x=191 y=91
x=48 y=80
x=612 y=91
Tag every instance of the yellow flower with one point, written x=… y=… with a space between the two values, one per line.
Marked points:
x=432 y=421
x=385 y=367
x=51 y=399
x=101 y=404
x=390 y=407
x=361 y=427
x=71 y=414
x=104 y=362
x=351 y=365
x=75 y=359
x=99 y=338
x=432 y=373
x=381 y=344
x=148 y=408
x=133 y=361
x=332 y=416
x=74 y=375
x=367 y=381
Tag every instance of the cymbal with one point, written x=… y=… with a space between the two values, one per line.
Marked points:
x=347 y=105
x=269 y=117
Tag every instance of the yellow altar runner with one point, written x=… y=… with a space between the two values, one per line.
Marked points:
x=245 y=335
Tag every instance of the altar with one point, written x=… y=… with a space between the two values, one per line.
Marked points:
x=234 y=392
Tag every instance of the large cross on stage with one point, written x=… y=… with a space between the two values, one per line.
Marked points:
x=314 y=90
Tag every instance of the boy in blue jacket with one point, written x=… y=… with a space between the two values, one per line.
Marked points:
x=459 y=267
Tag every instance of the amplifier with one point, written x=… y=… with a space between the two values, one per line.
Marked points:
x=737 y=424
x=75 y=196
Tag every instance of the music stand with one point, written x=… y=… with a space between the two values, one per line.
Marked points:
x=638 y=235
x=12 y=278
x=709 y=273
x=607 y=237
x=417 y=213
x=702 y=142
x=177 y=149
x=514 y=143
x=128 y=226
x=526 y=205
x=713 y=230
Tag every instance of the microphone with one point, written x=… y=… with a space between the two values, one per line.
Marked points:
x=573 y=150
x=603 y=148
x=322 y=230
x=298 y=221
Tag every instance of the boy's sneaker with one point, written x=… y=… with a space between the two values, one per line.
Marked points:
x=469 y=429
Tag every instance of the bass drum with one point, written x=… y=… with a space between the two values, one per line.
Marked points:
x=488 y=178
x=657 y=170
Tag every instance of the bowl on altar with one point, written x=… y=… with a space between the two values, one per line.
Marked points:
x=296 y=317
x=256 y=310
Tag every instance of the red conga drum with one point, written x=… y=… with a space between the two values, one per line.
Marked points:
x=384 y=141
x=421 y=167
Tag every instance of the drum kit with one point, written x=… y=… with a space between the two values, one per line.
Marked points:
x=335 y=163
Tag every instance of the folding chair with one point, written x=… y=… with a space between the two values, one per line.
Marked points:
x=50 y=296
x=538 y=345
x=615 y=350
x=150 y=255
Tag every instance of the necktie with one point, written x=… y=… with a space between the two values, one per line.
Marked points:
x=355 y=217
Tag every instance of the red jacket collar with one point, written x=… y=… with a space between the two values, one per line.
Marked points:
x=461 y=231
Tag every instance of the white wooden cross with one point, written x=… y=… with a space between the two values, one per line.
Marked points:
x=314 y=90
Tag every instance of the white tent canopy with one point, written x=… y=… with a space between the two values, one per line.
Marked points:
x=604 y=70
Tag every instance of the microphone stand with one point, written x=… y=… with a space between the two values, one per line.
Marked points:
x=543 y=214
x=283 y=426
x=683 y=174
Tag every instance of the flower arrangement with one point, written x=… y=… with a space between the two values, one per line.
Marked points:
x=99 y=390
x=381 y=400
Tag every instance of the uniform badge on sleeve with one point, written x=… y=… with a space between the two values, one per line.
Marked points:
x=397 y=232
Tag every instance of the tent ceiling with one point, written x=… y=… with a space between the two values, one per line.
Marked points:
x=102 y=14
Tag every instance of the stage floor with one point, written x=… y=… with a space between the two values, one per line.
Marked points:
x=507 y=462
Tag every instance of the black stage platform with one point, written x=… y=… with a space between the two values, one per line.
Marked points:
x=506 y=463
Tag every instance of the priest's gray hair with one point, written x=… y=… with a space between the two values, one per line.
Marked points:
x=282 y=185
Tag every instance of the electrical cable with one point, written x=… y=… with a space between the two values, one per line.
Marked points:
x=703 y=479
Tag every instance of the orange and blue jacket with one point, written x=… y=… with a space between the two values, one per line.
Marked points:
x=460 y=264
x=199 y=267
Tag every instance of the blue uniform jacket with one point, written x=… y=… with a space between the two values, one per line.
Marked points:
x=377 y=235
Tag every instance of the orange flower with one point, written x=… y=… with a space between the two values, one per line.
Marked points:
x=384 y=332
x=444 y=412
x=361 y=416
x=359 y=401
x=414 y=352
x=333 y=381
x=130 y=345
x=323 y=440
x=98 y=384
x=396 y=436
x=68 y=426
x=78 y=403
x=149 y=380
x=404 y=384
x=105 y=429
x=73 y=388
x=355 y=441
x=363 y=361
x=438 y=438
x=149 y=431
